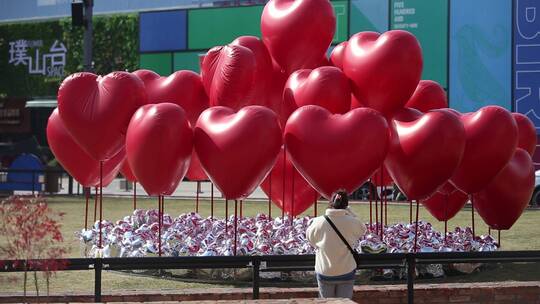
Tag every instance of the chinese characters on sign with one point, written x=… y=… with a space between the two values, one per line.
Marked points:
x=50 y=64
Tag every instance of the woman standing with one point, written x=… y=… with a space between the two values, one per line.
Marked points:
x=335 y=265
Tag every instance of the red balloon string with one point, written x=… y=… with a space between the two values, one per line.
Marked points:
x=87 y=195
x=95 y=202
x=241 y=208
x=197 y=197
x=235 y=224
x=385 y=208
x=489 y=230
x=100 y=204
x=416 y=226
x=445 y=216
x=159 y=223
x=269 y=195
x=370 y=205
x=212 y=200
x=472 y=216
x=315 y=204
x=134 y=195
x=226 y=215
x=382 y=203
x=284 y=176
x=292 y=196
x=499 y=238
x=410 y=211
x=376 y=211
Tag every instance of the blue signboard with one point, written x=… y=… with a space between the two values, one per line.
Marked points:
x=527 y=59
x=480 y=54
x=17 y=10
x=163 y=31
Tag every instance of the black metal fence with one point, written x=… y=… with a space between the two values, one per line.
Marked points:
x=274 y=263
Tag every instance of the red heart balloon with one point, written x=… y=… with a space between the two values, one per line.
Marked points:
x=96 y=110
x=237 y=150
x=384 y=69
x=158 y=146
x=196 y=171
x=183 y=88
x=298 y=193
x=298 y=33
x=83 y=168
x=306 y=87
x=429 y=95
x=526 y=133
x=263 y=68
x=228 y=74
x=503 y=200
x=424 y=152
x=325 y=148
x=127 y=172
x=336 y=58
x=446 y=202
x=491 y=134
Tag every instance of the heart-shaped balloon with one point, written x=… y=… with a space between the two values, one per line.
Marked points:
x=196 y=171
x=237 y=150
x=325 y=148
x=446 y=202
x=425 y=152
x=298 y=193
x=83 y=168
x=503 y=200
x=183 y=88
x=228 y=75
x=298 y=33
x=263 y=68
x=96 y=110
x=336 y=58
x=127 y=172
x=429 y=95
x=384 y=69
x=326 y=86
x=526 y=133
x=492 y=135
x=159 y=142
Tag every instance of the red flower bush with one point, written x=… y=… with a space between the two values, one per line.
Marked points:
x=30 y=232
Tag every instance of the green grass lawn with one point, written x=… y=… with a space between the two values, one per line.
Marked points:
x=523 y=236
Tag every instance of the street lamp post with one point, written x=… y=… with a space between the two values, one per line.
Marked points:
x=87 y=43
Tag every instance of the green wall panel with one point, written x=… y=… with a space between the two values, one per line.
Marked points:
x=368 y=15
x=186 y=61
x=210 y=27
x=160 y=63
x=342 y=15
x=428 y=21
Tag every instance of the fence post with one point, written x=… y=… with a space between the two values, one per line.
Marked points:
x=256 y=264
x=70 y=184
x=411 y=267
x=98 y=265
x=33 y=181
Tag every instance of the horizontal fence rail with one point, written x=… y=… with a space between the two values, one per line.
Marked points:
x=267 y=263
